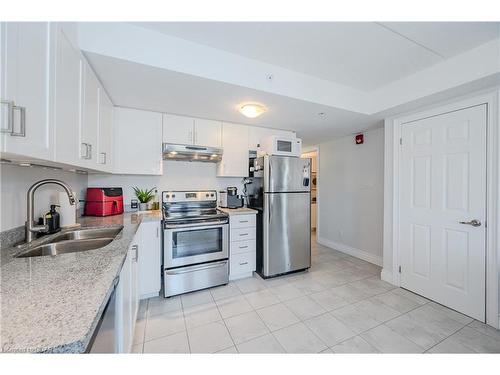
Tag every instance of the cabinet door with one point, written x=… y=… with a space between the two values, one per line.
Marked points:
x=90 y=122
x=178 y=129
x=24 y=69
x=123 y=304
x=105 y=139
x=207 y=133
x=235 y=155
x=137 y=145
x=68 y=103
x=134 y=283
x=149 y=260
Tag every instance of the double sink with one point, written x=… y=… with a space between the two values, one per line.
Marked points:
x=74 y=241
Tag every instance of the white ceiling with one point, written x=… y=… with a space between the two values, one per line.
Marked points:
x=362 y=55
x=140 y=86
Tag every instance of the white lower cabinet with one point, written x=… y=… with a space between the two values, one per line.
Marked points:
x=242 y=246
x=149 y=260
x=127 y=300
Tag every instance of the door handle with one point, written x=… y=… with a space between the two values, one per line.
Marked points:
x=89 y=151
x=474 y=223
x=10 y=116
x=22 y=114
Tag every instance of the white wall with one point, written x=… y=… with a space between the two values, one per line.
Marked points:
x=351 y=194
x=177 y=175
x=15 y=182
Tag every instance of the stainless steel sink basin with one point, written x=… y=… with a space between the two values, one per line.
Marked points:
x=84 y=234
x=63 y=247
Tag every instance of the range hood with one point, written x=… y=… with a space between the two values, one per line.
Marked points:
x=191 y=153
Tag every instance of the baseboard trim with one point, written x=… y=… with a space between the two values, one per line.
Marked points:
x=387 y=276
x=358 y=253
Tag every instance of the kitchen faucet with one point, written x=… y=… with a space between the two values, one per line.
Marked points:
x=31 y=228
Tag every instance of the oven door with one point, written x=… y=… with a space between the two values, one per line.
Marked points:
x=195 y=243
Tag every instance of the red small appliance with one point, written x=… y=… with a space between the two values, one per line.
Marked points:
x=104 y=202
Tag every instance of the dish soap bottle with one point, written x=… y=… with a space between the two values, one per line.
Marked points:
x=52 y=220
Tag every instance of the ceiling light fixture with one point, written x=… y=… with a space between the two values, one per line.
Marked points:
x=252 y=110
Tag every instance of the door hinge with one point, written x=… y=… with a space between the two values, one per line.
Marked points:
x=399 y=269
x=401 y=141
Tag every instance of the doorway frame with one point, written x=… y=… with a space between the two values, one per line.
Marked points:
x=391 y=253
x=318 y=174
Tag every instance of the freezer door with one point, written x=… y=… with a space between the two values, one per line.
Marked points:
x=286 y=174
x=287 y=233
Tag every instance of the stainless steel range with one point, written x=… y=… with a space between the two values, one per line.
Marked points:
x=195 y=241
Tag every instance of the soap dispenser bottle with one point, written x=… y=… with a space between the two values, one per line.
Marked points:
x=52 y=220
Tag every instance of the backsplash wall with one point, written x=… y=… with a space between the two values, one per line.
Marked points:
x=177 y=175
x=15 y=182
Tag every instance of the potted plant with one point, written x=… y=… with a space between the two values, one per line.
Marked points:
x=144 y=196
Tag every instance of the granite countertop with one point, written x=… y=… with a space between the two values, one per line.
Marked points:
x=238 y=211
x=53 y=304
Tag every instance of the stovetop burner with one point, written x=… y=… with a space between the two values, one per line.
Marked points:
x=190 y=206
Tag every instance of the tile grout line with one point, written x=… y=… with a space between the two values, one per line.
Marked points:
x=225 y=325
x=458 y=330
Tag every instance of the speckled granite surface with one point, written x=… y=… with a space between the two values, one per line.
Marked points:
x=238 y=211
x=12 y=236
x=53 y=304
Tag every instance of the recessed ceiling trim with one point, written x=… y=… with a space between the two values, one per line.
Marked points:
x=411 y=40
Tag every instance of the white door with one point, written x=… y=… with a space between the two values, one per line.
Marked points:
x=24 y=81
x=443 y=189
x=178 y=129
x=207 y=133
x=90 y=122
x=149 y=260
x=105 y=140
x=68 y=101
x=234 y=161
x=137 y=144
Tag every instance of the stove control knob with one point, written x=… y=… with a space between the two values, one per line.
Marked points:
x=212 y=194
x=168 y=196
x=173 y=195
x=206 y=195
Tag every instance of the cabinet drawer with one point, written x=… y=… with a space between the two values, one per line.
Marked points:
x=237 y=247
x=243 y=263
x=242 y=234
x=242 y=221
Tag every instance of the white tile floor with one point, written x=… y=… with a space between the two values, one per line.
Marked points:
x=339 y=306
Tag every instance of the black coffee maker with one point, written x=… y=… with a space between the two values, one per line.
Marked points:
x=233 y=199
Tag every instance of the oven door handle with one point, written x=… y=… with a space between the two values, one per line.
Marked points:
x=195 y=268
x=200 y=225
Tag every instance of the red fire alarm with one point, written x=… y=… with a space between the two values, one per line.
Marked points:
x=360 y=138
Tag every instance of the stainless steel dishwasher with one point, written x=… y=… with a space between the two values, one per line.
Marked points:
x=104 y=339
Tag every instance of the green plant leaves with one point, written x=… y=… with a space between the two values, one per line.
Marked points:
x=144 y=195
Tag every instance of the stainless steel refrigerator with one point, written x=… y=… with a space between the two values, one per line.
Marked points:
x=281 y=191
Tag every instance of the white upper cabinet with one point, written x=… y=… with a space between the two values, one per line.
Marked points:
x=105 y=140
x=256 y=135
x=207 y=133
x=178 y=129
x=68 y=101
x=235 y=156
x=90 y=121
x=191 y=131
x=137 y=145
x=24 y=89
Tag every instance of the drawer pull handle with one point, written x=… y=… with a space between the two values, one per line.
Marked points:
x=243 y=221
x=243 y=234
x=242 y=264
x=243 y=247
